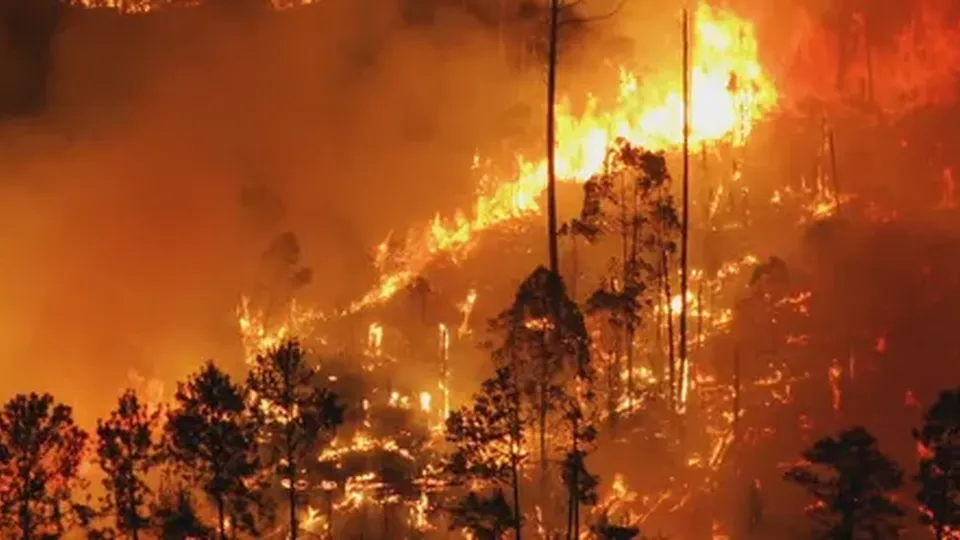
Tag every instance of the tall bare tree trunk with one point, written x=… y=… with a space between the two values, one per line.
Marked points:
x=552 y=233
x=551 y=137
x=515 y=460
x=222 y=517
x=292 y=490
x=685 y=225
x=671 y=355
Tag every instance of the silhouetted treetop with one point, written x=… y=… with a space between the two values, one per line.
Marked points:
x=852 y=482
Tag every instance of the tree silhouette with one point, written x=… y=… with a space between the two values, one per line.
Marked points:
x=487 y=517
x=852 y=482
x=545 y=345
x=127 y=452
x=29 y=29
x=629 y=199
x=939 y=474
x=175 y=514
x=296 y=415
x=581 y=484
x=41 y=450
x=488 y=439
x=211 y=439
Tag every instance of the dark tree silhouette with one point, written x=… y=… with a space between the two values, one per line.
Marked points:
x=175 y=514
x=28 y=29
x=629 y=199
x=41 y=450
x=126 y=452
x=211 y=438
x=545 y=345
x=852 y=482
x=581 y=484
x=939 y=474
x=297 y=416
x=488 y=439
x=487 y=517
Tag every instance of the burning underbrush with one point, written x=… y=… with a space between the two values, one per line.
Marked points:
x=481 y=393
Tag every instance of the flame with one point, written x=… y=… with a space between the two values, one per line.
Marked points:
x=730 y=92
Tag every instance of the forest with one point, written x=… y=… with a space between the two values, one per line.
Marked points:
x=721 y=306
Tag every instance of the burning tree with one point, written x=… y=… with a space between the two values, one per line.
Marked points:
x=488 y=454
x=127 y=452
x=41 y=450
x=297 y=416
x=211 y=438
x=629 y=199
x=546 y=348
x=939 y=474
x=854 y=496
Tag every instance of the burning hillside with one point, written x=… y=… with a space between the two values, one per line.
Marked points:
x=465 y=389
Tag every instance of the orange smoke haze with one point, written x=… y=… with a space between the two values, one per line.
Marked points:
x=126 y=243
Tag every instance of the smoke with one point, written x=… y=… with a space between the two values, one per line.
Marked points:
x=176 y=147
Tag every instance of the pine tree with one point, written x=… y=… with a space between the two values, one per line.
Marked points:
x=126 y=452
x=630 y=200
x=297 y=416
x=488 y=438
x=175 y=515
x=854 y=496
x=580 y=483
x=211 y=438
x=41 y=450
x=939 y=472
x=546 y=348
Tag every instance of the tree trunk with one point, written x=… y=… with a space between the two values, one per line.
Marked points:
x=133 y=517
x=26 y=518
x=551 y=139
x=551 y=222
x=222 y=517
x=671 y=358
x=292 y=495
x=573 y=519
x=329 y=514
x=289 y=434
x=515 y=469
x=685 y=225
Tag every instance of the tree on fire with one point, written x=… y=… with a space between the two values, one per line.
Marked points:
x=41 y=450
x=126 y=452
x=939 y=473
x=296 y=414
x=211 y=439
x=629 y=199
x=852 y=482
x=546 y=348
x=488 y=439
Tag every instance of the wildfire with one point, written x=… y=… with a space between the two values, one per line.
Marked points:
x=730 y=92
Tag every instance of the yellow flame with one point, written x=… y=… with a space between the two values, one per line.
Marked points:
x=729 y=93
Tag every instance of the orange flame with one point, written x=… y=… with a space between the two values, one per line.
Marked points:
x=729 y=93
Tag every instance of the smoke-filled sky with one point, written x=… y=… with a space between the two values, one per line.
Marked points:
x=126 y=244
